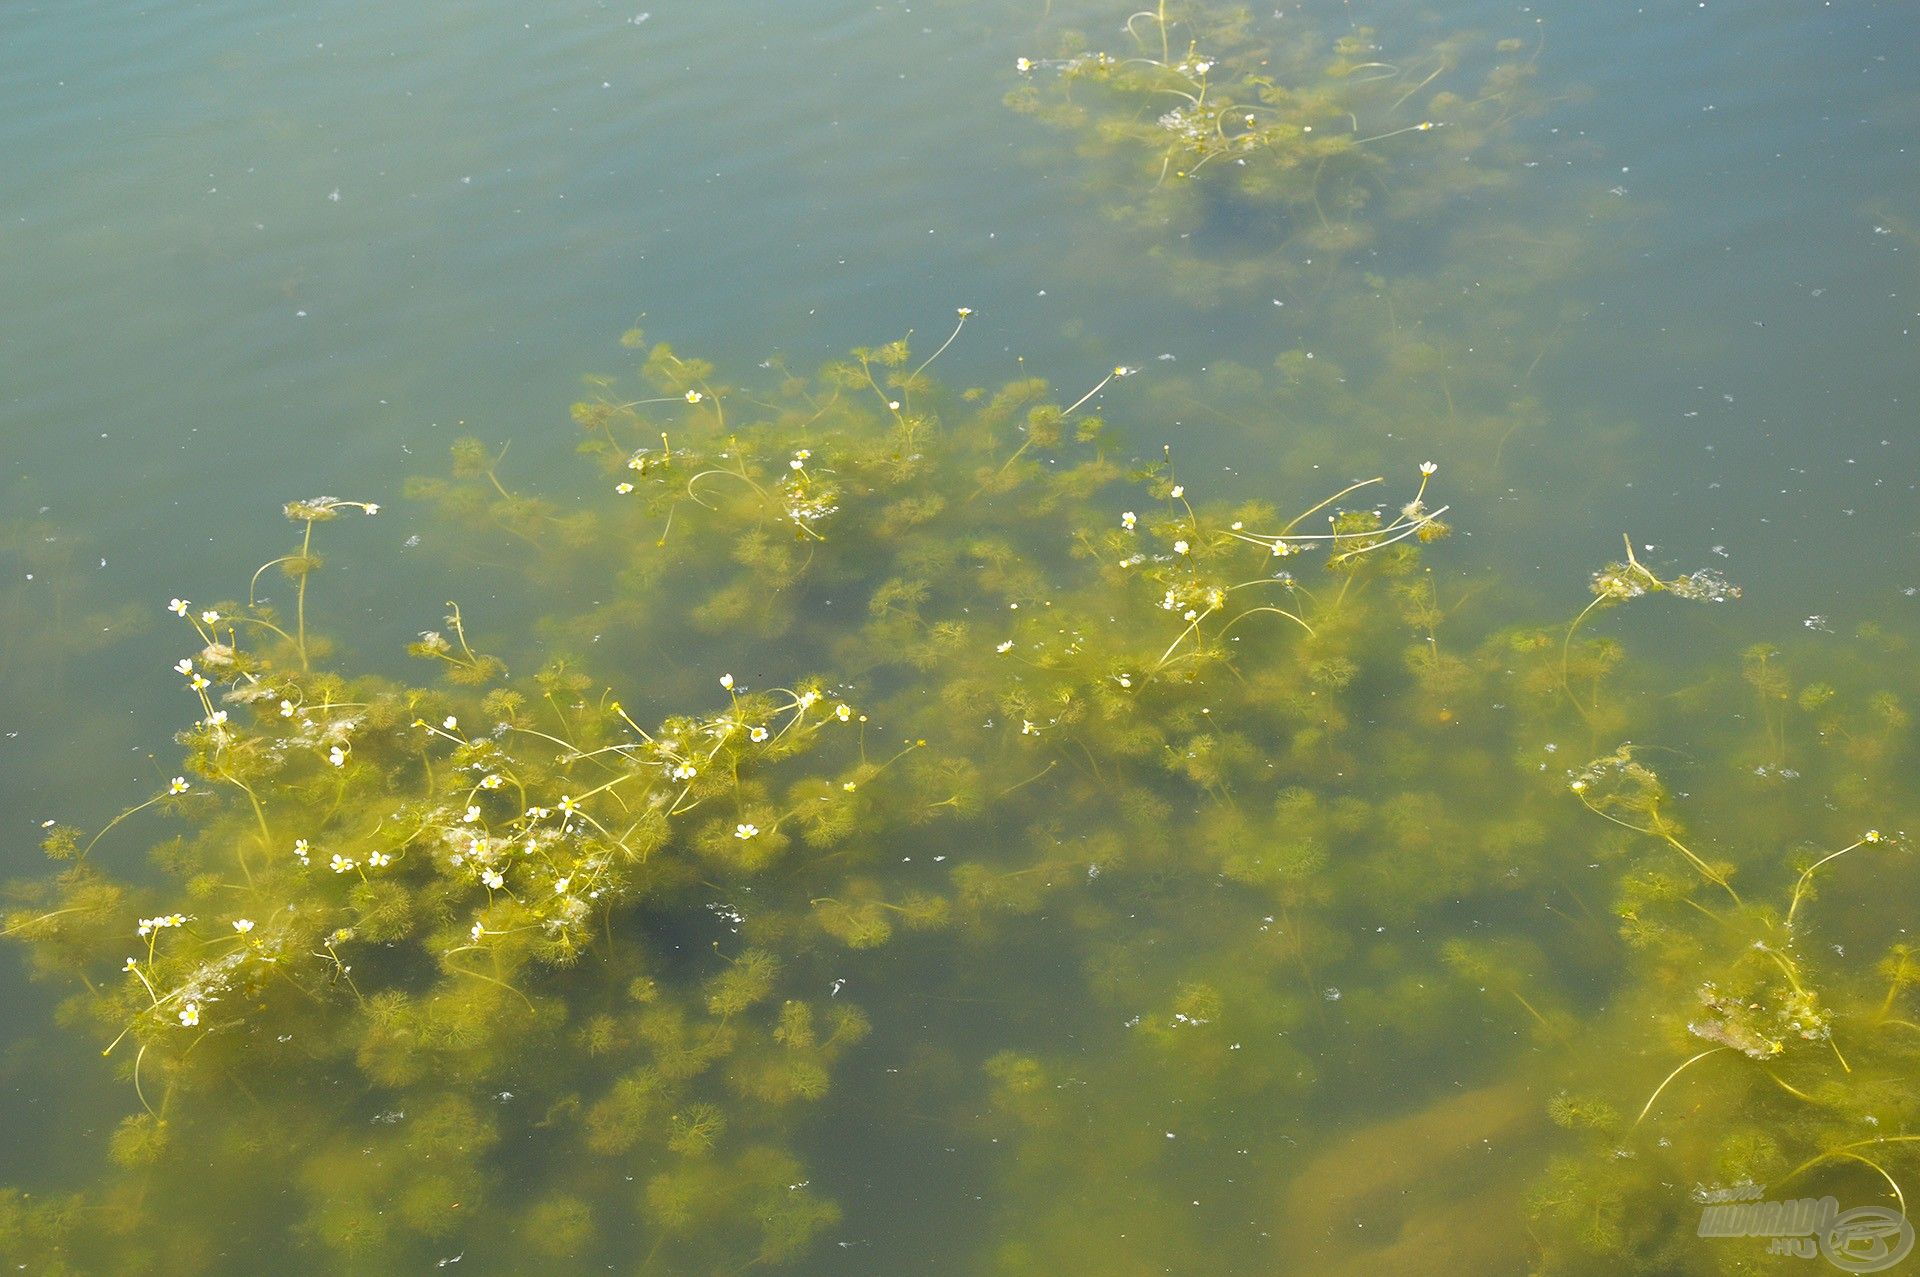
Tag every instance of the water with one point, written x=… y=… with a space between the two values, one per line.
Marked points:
x=255 y=253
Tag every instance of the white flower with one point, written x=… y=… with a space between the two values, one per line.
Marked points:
x=493 y=878
x=210 y=617
x=965 y=311
x=539 y=813
x=286 y=709
x=623 y=488
x=808 y=699
x=337 y=756
x=1179 y=491
x=843 y=712
x=1428 y=467
x=1188 y=615
x=492 y=781
x=745 y=831
x=893 y=405
x=132 y=964
x=1027 y=728
x=685 y=771
x=178 y=607
x=451 y=723
x=198 y=683
x=477 y=931
x=1126 y=680
x=243 y=925
x=1019 y=64
x=1201 y=68
x=1128 y=520
x=300 y=849
x=472 y=814
x=757 y=735
x=694 y=396
x=726 y=681
x=183 y=666
x=178 y=785
x=1180 y=547
x=340 y=863
x=190 y=1014
x=560 y=886
x=371 y=507
x=1005 y=647
x=566 y=805
x=216 y=718
x=379 y=859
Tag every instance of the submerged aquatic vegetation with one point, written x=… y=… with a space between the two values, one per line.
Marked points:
x=1221 y=124
x=1279 y=824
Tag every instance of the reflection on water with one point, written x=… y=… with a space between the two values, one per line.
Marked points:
x=1025 y=796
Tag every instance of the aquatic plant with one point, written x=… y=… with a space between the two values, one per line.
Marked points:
x=1218 y=123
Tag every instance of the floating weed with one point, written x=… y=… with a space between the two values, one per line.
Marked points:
x=1207 y=807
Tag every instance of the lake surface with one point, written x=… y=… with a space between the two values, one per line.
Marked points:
x=1310 y=944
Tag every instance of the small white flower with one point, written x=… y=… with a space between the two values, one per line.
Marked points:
x=1023 y=65
x=1180 y=547
x=451 y=723
x=1179 y=490
x=1126 y=680
x=178 y=607
x=132 y=964
x=623 y=488
x=745 y=831
x=726 y=681
x=1128 y=520
x=216 y=718
x=757 y=735
x=286 y=709
x=965 y=311
x=190 y=1014
x=685 y=771
x=337 y=756
x=300 y=849
x=566 y=805
x=1005 y=647
x=198 y=683
x=1027 y=728
x=340 y=863
x=493 y=878
x=1428 y=467
x=477 y=932
x=843 y=712
x=472 y=814
x=379 y=859
x=1201 y=68
x=243 y=925
x=694 y=396
x=371 y=507
x=210 y=617
x=893 y=405
x=183 y=666
x=560 y=886
x=808 y=699
x=178 y=785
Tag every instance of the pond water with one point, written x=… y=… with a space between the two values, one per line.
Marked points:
x=1095 y=859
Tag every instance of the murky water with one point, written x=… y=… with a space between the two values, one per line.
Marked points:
x=1163 y=901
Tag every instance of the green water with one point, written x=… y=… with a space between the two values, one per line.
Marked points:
x=1061 y=880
